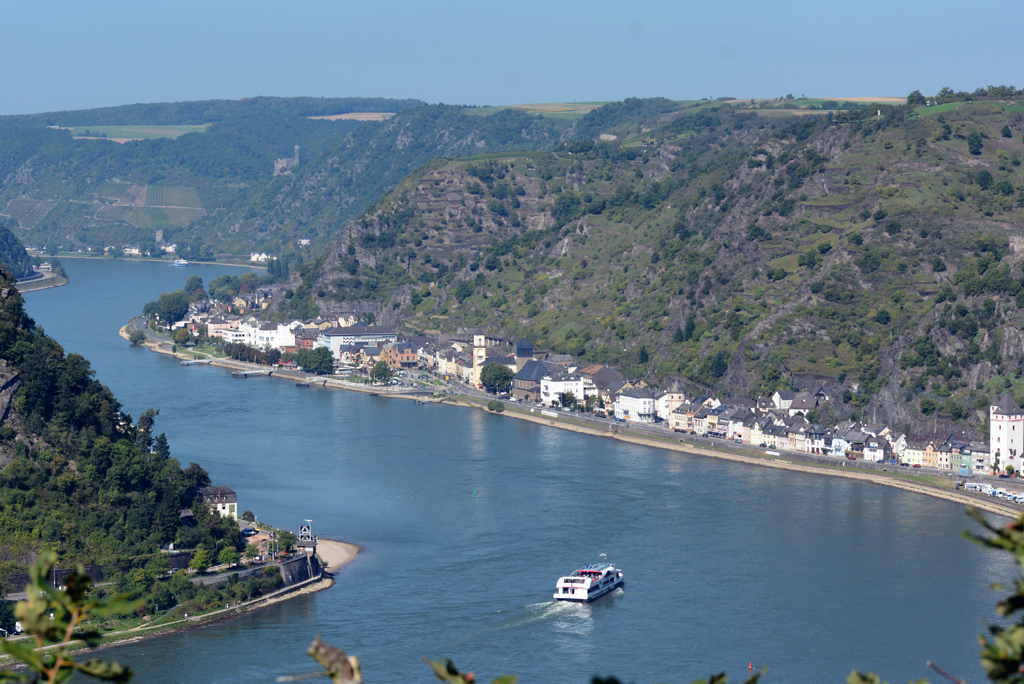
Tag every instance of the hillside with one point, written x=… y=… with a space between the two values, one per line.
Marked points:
x=13 y=256
x=875 y=251
x=210 y=188
x=76 y=475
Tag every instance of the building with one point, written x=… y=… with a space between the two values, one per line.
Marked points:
x=526 y=383
x=1006 y=430
x=555 y=387
x=400 y=355
x=635 y=405
x=524 y=353
x=221 y=499
x=354 y=336
x=286 y=164
x=668 y=401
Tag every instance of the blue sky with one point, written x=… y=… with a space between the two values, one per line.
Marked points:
x=80 y=55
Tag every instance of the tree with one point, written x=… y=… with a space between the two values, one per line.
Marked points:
x=689 y=328
x=496 y=378
x=642 y=356
x=251 y=552
x=1006 y=132
x=381 y=372
x=916 y=99
x=983 y=179
x=882 y=317
x=974 y=143
x=196 y=477
x=136 y=337
x=160 y=446
x=248 y=516
x=193 y=284
x=227 y=556
x=171 y=307
x=182 y=336
x=318 y=361
x=287 y=539
x=200 y=559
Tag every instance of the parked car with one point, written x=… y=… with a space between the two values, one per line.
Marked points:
x=762 y=445
x=851 y=458
x=917 y=465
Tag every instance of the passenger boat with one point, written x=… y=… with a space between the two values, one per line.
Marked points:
x=589 y=583
x=180 y=262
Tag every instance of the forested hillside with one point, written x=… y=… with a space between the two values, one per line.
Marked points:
x=211 y=191
x=876 y=251
x=76 y=475
x=13 y=256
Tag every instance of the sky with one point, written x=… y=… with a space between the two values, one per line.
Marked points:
x=60 y=56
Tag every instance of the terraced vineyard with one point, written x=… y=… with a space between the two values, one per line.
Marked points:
x=172 y=196
x=161 y=217
x=28 y=212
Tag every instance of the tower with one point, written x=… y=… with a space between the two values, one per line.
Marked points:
x=479 y=353
x=295 y=160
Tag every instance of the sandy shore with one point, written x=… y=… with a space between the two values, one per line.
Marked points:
x=336 y=554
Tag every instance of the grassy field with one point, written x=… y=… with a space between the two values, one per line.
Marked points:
x=938 y=109
x=553 y=110
x=138 y=132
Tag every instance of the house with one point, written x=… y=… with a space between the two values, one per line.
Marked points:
x=635 y=405
x=400 y=355
x=302 y=242
x=556 y=387
x=356 y=335
x=306 y=338
x=877 y=449
x=783 y=399
x=913 y=452
x=603 y=381
x=1006 y=430
x=221 y=499
x=803 y=403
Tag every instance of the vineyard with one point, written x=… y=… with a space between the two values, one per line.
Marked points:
x=28 y=212
x=161 y=217
x=172 y=196
x=112 y=190
x=115 y=212
x=135 y=195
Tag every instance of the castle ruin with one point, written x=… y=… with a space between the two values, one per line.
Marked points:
x=286 y=164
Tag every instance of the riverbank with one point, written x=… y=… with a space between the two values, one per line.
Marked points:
x=42 y=284
x=163 y=261
x=778 y=462
x=335 y=555
x=669 y=442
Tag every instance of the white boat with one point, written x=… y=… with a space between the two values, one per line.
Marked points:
x=180 y=262
x=589 y=583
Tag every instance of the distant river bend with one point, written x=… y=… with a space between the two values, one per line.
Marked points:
x=468 y=519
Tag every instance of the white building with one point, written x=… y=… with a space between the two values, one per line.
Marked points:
x=1006 y=430
x=554 y=388
x=668 y=401
x=635 y=405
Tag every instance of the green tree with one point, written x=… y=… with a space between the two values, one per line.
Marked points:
x=287 y=539
x=318 y=361
x=882 y=317
x=248 y=516
x=182 y=336
x=193 y=284
x=496 y=378
x=984 y=179
x=171 y=307
x=136 y=337
x=251 y=552
x=916 y=99
x=381 y=372
x=227 y=556
x=1006 y=132
x=974 y=143
x=200 y=559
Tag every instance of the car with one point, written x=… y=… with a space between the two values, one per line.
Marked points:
x=762 y=444
x=917 y=465
x=4 y=634
x=851 y=458
x=904 y=465
x=248 y=531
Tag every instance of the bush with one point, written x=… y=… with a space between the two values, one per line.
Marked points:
x=496 y=406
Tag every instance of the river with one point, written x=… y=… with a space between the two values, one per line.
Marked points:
x=468 y=518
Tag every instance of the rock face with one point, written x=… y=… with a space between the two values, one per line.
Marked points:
x=9 y=384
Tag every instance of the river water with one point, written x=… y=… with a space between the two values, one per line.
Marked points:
x=467 y=519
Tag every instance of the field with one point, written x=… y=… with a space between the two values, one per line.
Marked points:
x=172 y=196
x=554 y=110
x=28 y=212
x=136 y=132
x=158 y=217
x=115 y=213
x=357 y=116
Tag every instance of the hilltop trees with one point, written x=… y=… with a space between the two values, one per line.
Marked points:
x=171 y=307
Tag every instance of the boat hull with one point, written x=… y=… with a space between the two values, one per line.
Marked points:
x=593 y=596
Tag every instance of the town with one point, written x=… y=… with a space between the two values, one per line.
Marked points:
x=787 y=420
